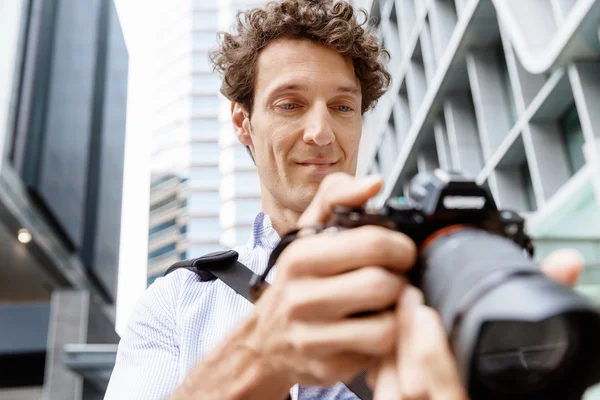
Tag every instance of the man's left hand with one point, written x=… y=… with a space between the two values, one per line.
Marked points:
x=423 y=366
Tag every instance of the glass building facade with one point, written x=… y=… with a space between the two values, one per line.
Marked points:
x=205 y=191
x=63 y=101
x=184 y=194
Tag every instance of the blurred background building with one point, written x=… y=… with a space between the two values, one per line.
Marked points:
x=507 y=92
x=63 y=96
x=204 y=191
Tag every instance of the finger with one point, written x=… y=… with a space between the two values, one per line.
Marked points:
x=340 y=296
x=437 y=363
x=332 y=254
x=372 y=335
x=385 y=386
x=339 y=190
x=564 y=266
x=411 y=381
x=335 y=368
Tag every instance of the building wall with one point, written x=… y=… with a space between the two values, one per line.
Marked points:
x=63 y=99
x=34 y=393
x=11 y=29
x=103 y=241
x=461 y=99
x=184 y=200
x=69 y=133
x=205 y=192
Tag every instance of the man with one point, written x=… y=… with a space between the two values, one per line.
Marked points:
x=299 y=74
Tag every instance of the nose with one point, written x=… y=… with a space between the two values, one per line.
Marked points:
x=318 y=128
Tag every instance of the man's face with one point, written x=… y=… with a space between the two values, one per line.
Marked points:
x=306 y=121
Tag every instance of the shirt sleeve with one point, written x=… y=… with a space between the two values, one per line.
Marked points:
x=148 y=354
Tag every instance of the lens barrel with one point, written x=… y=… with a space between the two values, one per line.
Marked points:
x=515 y=333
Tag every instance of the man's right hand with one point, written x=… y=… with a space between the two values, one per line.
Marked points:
x=306 y=326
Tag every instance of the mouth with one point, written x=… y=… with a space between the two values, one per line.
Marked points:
x=317 y=169
x=317 y=163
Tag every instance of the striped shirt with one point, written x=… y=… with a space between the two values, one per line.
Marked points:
x=180 y=318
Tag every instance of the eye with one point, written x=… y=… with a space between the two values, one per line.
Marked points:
x=289 y=106
x=344 y=109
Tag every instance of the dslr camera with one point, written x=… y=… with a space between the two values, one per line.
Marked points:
x=515 y=333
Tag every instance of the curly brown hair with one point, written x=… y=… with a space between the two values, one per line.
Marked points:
x=332 y=23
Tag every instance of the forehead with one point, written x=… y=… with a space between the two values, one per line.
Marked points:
x=304 y=62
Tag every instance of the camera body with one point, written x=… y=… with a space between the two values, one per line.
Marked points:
x=438 y=203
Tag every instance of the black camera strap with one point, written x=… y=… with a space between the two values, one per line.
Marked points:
x=221 y=265
x=224 y=265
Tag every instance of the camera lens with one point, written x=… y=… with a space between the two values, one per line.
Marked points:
x=518 y=357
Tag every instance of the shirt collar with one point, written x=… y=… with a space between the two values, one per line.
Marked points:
x=263 y=233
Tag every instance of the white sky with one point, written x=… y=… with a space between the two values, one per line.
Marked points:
x=136 y=18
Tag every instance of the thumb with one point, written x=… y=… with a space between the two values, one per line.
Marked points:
x=339 y=189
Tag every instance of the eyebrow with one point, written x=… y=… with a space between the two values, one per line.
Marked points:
x=289 y=88
x=348 y=89
x=301 y=88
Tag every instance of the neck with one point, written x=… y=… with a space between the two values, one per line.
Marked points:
x=282 y=218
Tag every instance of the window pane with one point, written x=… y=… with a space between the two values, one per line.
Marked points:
x=247 y=182
x=242 y=235
x=202 y=250
x=204 y=40
x=529 y=192
x=203 y=228
x=161 y=179
x=573 y=139
x=205 y=152
x=161 y=251
x=162 y=226
x=205 y=4
x=242 y=157
x=164 y=202
x=206 y=20
x=11 y=14
x=205 y=128
x=201 y=63
x=205 y=175
x=387 y=153
x=205 y=105
x=201 y=202
x=205 y=82
x=508 y=91
x=247 y=208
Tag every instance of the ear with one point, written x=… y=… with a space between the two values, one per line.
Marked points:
x=241 y=123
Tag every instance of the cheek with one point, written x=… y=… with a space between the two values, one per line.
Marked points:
x=350 y=143
x=282 y=144
x=273 y=153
